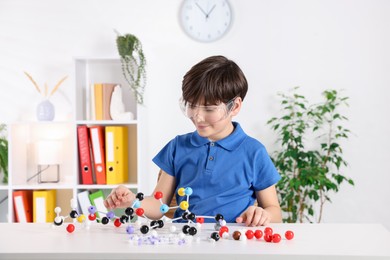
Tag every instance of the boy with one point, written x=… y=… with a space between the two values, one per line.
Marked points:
x=227 y=169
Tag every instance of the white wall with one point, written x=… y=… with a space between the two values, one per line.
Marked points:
x=338 y=44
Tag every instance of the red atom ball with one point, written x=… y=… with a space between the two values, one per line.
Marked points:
x=222 y=230
x=258 y=233
x=200 y=220
x=117 y=222
x=158 y=195
x=289 y=235
x=92 y=217
x=276 y=238
x=139 y=212
x=70 y=228
x=268 y=230
x=249 y=234
x=268 y=237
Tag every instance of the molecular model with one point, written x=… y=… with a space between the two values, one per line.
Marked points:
x=190 y=228
x=146 y=233
x=59 y=220
x=107 y=216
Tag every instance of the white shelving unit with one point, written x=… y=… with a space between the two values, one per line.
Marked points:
x=24 y=135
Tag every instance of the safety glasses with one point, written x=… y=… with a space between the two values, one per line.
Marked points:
x=210 y=114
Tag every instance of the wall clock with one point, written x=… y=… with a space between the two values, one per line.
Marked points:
x=205 y=20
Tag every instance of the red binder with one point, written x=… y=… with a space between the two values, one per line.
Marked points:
x=97 y=140
x=84 y=155
x=23 y=205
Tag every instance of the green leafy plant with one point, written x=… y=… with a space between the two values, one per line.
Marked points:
x=133 y=63
x=4 y=152
x=310 y=156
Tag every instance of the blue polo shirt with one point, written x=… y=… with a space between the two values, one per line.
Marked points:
x=223 y=175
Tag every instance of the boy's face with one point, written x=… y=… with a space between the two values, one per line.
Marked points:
x=213 y=122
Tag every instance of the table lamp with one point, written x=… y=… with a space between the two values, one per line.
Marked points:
x=49 y=158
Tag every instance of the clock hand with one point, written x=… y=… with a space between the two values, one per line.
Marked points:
x=212 y=8
x=205 y=14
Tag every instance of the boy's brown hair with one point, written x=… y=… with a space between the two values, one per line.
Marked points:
x=214 y=80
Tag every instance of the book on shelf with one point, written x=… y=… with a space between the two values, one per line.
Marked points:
x=44 y=202
x=99 y=163
x=98 y=98
x=117 y=166
x=85 y=159
x=90 y=103
x=100 y=101
x=84 y=201
x=97 y=200
x=23 y=206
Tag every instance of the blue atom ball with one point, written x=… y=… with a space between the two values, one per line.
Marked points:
x=136 y=204
x=164 y=208
x=188 y=191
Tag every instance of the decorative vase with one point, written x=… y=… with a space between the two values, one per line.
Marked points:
x=45 y=111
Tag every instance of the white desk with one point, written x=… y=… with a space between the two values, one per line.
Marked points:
x=323 y=241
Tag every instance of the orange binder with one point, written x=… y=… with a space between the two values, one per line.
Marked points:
x=98 y=98
x=22 y=206
x=108 y=88
x=117 y=166
x=86 y=176
x=97 y=141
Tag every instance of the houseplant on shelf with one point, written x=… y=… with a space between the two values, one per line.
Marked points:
x=133 y=63
x=4 y=152
x=310 y=157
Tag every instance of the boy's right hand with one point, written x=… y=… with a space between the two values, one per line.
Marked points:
x=120 y=197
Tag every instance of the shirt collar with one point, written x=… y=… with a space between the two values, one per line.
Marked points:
x=230 y=142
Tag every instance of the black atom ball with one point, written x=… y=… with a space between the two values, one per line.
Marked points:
x=73 y=214
x=105 y=220
x=129 y=211
x=140 y=196
x=192 y=231
x=186 y=229
x=144 y=229
x=218 y=217
x=215 y=236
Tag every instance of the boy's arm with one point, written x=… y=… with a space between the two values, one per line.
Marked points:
x=166 y=184
x=268 y=200
x=122 y=197
x=268 y=209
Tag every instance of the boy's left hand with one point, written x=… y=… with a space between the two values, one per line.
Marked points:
x=254 y=216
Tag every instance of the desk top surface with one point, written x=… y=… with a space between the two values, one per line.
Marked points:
x=45 y=241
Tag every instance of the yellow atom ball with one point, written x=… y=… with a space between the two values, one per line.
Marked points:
x=184 y=205
x=181 y=192
x=81 y=219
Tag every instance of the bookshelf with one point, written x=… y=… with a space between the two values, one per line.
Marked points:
x=25 y=136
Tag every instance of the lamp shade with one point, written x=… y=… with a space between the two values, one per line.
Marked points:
x=48 y=152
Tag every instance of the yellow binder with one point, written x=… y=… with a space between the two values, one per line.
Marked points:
x=117 y=154
x=44 y=202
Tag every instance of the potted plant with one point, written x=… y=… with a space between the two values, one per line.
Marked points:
x=4 y=152
x=133 y=63
x=310 y=156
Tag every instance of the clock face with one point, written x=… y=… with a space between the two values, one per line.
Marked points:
x=205 y=20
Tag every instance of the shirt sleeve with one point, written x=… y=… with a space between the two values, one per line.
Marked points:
x=265 y=174
x=165 y=158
